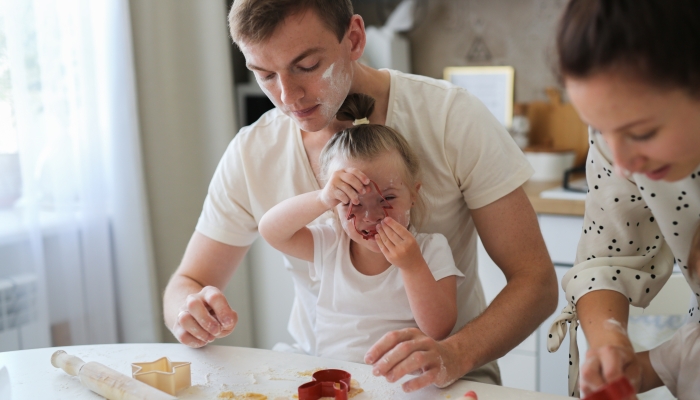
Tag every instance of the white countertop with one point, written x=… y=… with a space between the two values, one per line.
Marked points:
x=217 y=369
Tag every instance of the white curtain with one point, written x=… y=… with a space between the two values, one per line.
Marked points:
x=75 y=251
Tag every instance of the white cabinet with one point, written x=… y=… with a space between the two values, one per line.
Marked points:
x=561 y=234
x=530 y=366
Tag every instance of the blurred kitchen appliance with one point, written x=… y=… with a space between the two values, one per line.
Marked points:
x=252 y=102
x=386 y=47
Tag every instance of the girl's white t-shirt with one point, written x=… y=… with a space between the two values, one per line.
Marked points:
x=677 y=362
x=354 y=310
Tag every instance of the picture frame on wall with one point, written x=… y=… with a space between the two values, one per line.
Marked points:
x=493 y=85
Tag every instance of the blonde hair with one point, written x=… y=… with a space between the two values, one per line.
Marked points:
x=368 y=141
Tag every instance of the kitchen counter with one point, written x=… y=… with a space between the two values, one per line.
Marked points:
x=217 y=370
x=552 y=206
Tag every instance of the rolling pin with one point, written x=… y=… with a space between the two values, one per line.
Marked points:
x=106 y=381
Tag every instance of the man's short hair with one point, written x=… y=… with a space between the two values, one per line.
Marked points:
x=254 y=21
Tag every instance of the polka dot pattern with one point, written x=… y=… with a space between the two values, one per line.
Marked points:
x=632 y=230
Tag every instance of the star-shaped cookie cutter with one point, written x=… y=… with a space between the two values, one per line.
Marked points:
x=326 y=383
x=163 y=374
x=369 y=233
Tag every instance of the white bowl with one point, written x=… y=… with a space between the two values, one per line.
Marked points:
x=550 y=165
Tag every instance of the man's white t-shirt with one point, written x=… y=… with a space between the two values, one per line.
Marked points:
x=677 y=362
x=354 y=310
x=468 y=161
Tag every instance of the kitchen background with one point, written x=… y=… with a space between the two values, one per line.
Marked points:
x=193 y=93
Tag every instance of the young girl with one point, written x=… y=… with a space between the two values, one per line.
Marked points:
x=376 y=273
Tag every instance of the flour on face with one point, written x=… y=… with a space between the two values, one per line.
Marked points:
x=337 y=86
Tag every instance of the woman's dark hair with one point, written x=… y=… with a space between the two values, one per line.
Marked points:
x=367 y=141
x=658 y=40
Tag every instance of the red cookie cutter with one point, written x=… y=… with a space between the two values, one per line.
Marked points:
x=620 y=389
x=326 y=383
x=373 y=205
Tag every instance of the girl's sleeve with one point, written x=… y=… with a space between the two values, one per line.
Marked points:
x=326 y=237
x=621 y=246
x=438 y=255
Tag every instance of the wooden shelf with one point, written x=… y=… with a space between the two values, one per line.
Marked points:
x=552 y=206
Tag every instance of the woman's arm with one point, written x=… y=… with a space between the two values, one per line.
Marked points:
x=434 y=303
x=603 y=317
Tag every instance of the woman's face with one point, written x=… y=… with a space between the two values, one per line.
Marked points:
x=650 y=131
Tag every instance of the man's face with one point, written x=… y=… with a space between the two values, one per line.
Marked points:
x=303 y=69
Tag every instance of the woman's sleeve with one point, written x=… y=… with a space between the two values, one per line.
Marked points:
x=621 y=246
x=621 y=249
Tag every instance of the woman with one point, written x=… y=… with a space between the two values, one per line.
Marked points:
x=632 y=70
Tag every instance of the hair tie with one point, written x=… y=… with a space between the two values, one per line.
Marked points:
x=362 y=121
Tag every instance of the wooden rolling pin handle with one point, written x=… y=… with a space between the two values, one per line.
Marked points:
x=105 y=381
x=70 y=364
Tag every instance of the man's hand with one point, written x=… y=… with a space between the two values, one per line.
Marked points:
x=205 y=316
x=607 y=364
x=409 y=351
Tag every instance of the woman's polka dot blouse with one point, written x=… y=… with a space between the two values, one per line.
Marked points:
x=633 y=232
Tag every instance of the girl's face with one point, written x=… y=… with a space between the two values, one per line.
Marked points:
x=650 y=131
x=389 y=173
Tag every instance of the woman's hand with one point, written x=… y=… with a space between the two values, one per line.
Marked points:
x=344 y=186
x=608 y=363
x=410 y=351
x=398 y=244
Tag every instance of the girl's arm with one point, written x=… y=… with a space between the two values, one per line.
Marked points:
x=284 y=225
x=434 y=303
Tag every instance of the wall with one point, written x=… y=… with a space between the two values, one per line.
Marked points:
x=184 y=77
x=517 y=33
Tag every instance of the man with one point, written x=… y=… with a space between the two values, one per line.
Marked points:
x=305 y=57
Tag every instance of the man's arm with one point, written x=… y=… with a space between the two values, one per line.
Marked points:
x=510 y=233
x=194 y=307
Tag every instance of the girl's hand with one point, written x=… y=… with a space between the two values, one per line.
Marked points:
x=397 y=244
x=344 y=186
